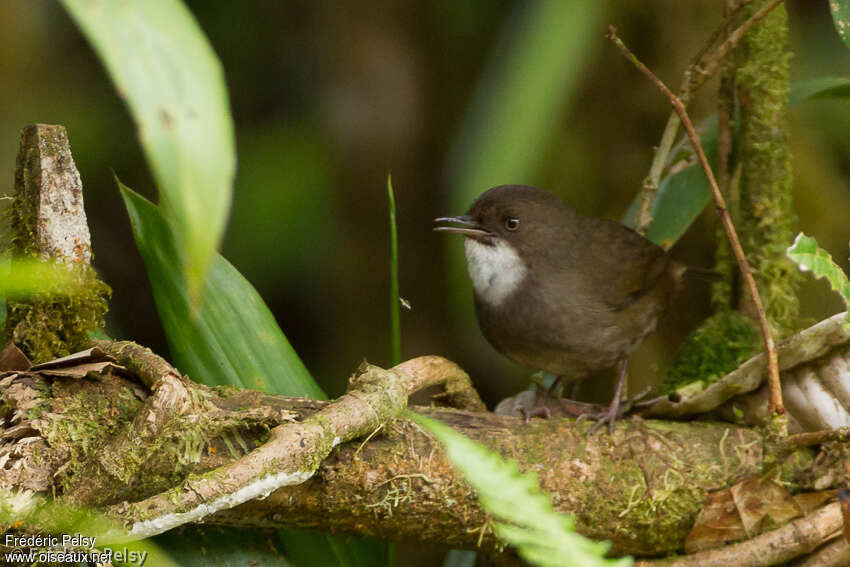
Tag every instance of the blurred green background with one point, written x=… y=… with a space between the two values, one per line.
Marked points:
x=451 y=98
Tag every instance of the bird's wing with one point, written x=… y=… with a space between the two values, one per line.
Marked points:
x=623 y=265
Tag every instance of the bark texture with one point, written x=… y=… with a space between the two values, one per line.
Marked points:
x=121 y=440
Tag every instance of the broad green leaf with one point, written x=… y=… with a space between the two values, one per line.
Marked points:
x=523 y=514
x=841 y=18
x=233 y=339
x=682 y=196
x=166 y=71
x=810 y=257
x=819 y=88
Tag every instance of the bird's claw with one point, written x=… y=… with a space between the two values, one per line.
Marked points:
x=617 y=410
x=614 y=412
x=537 y=411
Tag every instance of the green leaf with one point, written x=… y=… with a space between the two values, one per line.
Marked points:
x=233 y=338
x=215 y=546
x=530 y=78
x=810 y=257
x=395 y=299
x=525 y=89
x=819 y=88
x=683 y=195
x=306 y=548
x=523 y=514
x=460 y=558
x=166 y=71
x=22 y=277
x=841 y=18
x=32 y=513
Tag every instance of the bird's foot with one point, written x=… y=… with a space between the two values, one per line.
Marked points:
x=618 y=409
x=530 y=403
x=536 y=411
x=610 y=416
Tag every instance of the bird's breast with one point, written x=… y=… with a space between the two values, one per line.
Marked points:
x=496 y=270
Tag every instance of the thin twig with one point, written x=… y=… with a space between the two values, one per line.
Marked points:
x=650 y=184
x=369 y=438
x=775 y=389
x=775 y=547
x=705 y=70
x=725 y=110
x=794 y=442
x=698 y=72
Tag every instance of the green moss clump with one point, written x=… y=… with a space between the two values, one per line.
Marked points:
x=717 y=347
x=49 y=325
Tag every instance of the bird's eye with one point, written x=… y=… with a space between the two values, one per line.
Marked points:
x=511 y=224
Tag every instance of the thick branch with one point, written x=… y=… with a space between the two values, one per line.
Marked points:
x=640 y=488
x=290 y=456
x=293 y=451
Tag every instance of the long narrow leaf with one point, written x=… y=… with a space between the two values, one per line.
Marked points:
x=234 y=339
x=32 y=513
x=530 y=78
x=527 y=85
x=167 y=72
x=395 y=300
x=23 y=277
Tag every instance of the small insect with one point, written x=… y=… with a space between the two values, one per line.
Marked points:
x=405 y=303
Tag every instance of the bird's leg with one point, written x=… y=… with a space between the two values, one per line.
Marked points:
x=572 y=390
x=613 y=413
x=539 y=409
x=554 y=386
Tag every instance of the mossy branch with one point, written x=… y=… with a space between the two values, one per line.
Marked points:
x=187 y=452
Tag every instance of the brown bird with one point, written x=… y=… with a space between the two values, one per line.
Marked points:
x=559 y=292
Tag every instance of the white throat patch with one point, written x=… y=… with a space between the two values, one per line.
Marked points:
x=496 y=271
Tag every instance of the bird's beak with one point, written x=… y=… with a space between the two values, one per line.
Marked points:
x=468 y=227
